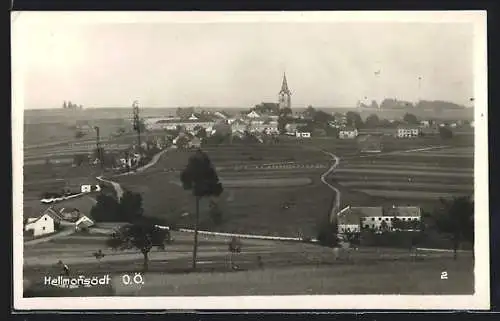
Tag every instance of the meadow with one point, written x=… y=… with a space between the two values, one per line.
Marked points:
x=313 y=269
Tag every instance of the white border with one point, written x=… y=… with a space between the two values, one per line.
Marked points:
x=21 y=22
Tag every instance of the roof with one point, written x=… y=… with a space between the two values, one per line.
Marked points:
x=84 y=221
x=408 y=126
x=348 y=129
x=353 y=215
x=403 y=211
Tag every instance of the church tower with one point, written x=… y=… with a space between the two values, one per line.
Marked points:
x=285 y=95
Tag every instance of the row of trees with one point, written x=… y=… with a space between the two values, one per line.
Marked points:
x=393 y=103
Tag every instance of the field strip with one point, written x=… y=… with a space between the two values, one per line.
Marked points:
x=401 y=172
x=409 y=194
x=407 y=166
x=430 y=186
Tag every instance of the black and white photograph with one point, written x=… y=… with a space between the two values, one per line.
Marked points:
x=250 y=160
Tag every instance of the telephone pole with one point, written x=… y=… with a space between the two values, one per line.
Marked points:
x=98 y=145
x=137 y=122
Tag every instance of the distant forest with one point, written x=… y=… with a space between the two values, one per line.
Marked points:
x=392 y=103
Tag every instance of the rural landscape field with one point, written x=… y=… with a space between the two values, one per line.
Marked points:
x=282 y=189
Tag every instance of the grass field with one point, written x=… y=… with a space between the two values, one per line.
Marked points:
x=253 y=200
x=313 y=269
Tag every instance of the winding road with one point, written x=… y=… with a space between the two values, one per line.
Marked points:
x=336 y=203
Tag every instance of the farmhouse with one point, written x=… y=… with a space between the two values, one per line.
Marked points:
x=348 y=133
x=44 y=224
x=406 y=131
x=352 y=219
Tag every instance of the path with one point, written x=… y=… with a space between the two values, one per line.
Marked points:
x=116 y=186
x=336 y=203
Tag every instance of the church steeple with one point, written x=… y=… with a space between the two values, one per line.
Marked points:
x=285 y=95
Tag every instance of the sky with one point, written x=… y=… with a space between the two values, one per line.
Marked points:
x=329 y=64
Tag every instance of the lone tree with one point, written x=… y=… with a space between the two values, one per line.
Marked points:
x=200 y=177
x=457 y=220
x=142 y=236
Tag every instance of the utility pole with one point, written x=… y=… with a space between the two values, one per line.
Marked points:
x=419 y=85
x=137 y=122
x=98 y=145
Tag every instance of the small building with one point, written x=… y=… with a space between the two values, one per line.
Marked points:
x=253 y=114
x=195 y=142
x=192 y=117
x=408 y=131
x=425 y=123
x=300 y=134
x=348 y=133
x=83 y=223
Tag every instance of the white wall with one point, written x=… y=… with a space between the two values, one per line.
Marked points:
x=45 y=225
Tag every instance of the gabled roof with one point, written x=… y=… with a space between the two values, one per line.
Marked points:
x=348 y=129
x=84 y=221
x=408 y=126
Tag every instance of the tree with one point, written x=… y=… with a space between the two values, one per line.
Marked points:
x=321 y=117
x=445 y=133
x=282 y=122
x=201 y=132
x=372 y=121
x=354 y=119
x=327 y=233
x=105 y=209
x=142 y=236
x=457 y=220
x=410 y=119
x=130 y=206
x=200 y=177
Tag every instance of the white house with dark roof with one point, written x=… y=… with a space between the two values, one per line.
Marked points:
x=83 y=223
x=44 y=224
x=352 y=219
x=408 y=131
x=348 y=133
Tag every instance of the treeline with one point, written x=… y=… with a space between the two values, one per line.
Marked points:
x=69 y=105
x=393 y=103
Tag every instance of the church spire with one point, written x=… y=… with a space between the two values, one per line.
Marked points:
x=284 y=85
x=284 y=95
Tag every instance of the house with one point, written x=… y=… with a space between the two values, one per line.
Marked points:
x=83 y=223
x=375 y=218
x=195 y=142
x=406 y=131
x=425 y=123
x=44 y=224
x=301 y=134
x=192 y=117
x=253 y=114
x=348 y=133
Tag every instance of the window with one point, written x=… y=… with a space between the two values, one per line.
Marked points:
x=373 y=218
x=45 y=219
x=379 y=218
x=367 y=226
x=43 y=228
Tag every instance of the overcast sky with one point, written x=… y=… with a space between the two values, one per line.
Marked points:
x=240 y=65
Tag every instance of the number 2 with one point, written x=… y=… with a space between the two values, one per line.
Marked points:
x=444 y=275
